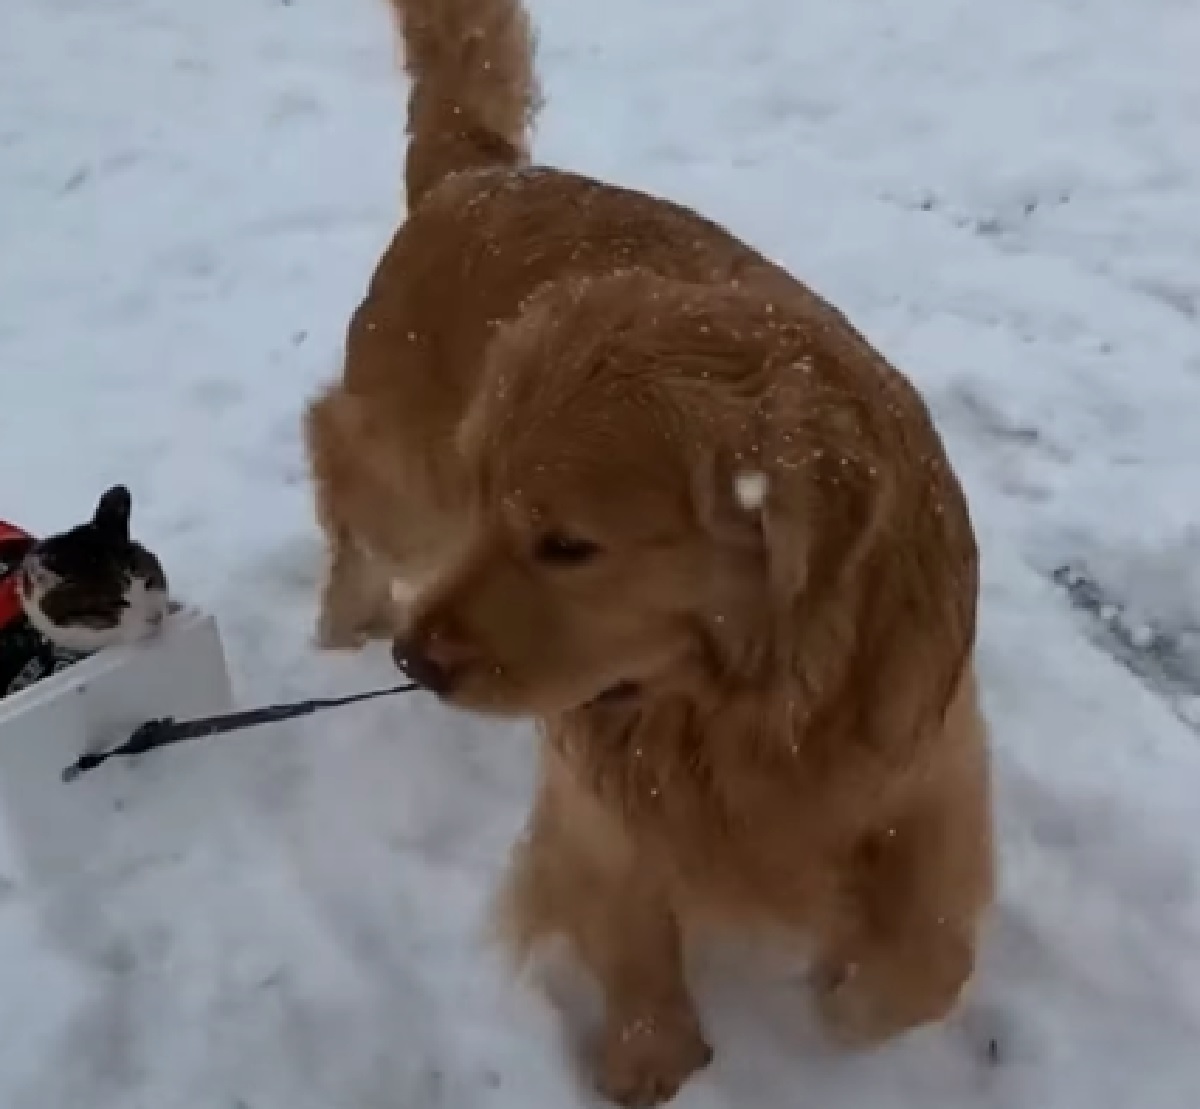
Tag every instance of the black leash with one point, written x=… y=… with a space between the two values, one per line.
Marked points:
x=160 y=733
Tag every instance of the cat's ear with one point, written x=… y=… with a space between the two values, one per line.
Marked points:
x=112 y=513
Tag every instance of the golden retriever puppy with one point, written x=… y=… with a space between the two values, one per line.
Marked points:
x=640 y=485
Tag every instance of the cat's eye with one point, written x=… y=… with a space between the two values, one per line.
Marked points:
x=562 y=550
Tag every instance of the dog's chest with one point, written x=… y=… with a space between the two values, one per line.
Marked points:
x=731 y=823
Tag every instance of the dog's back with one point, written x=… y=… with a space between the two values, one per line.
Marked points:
x=486 y=229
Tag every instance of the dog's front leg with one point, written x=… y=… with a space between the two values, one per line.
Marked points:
x=902 y=945
x=578 y=874
x=652 y=1041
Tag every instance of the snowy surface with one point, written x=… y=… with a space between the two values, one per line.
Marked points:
x=1005 y=196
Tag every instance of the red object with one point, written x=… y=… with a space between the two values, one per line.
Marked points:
x=10 y=598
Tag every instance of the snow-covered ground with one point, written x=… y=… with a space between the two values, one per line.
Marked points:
x=1005 y=196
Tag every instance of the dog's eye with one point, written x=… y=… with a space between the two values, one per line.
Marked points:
x=557 y=549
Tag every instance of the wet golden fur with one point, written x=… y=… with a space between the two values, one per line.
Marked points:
x=757 y=712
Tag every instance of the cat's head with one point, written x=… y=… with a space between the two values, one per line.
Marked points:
x=93 y=586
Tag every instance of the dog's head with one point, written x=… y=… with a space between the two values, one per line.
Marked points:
x=659 y=477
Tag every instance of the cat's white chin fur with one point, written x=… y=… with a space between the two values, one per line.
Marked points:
x=142 y=617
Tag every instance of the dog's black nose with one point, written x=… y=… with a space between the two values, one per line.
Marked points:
x=420 y=668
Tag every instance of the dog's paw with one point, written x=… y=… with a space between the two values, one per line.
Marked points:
x=644 y=1062
x=864 y=1004
x=848 y=1008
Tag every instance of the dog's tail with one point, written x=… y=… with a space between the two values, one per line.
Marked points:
x=474 y=90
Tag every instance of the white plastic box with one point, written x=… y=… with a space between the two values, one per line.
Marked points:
x=93 y=705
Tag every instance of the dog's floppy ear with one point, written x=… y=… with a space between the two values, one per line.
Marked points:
x=799 y=483
x=791 y=529
x=810 y=482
